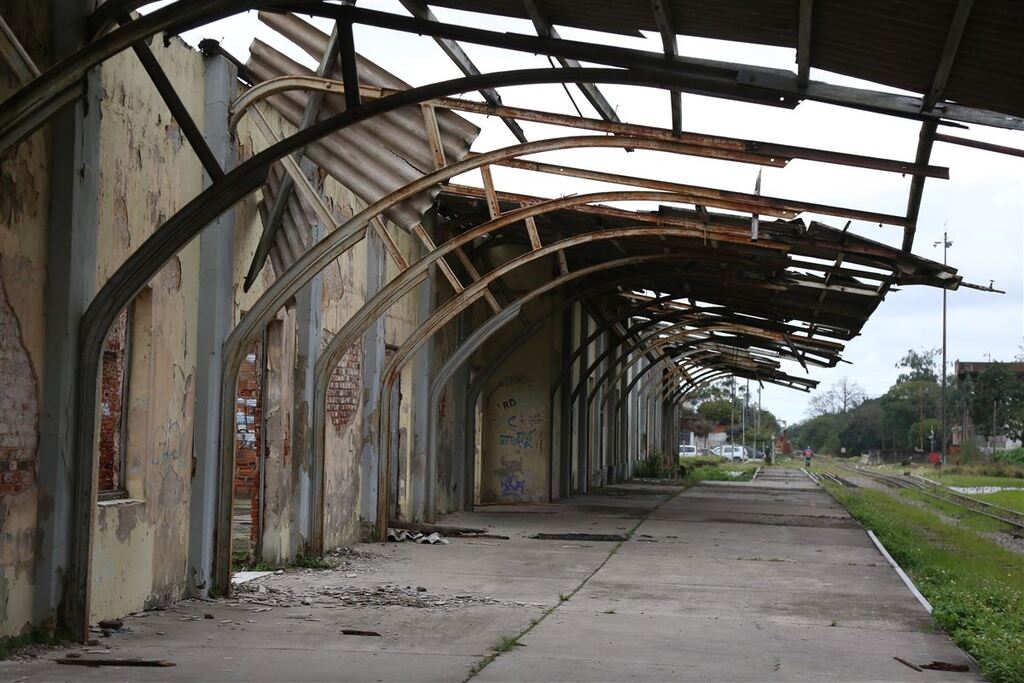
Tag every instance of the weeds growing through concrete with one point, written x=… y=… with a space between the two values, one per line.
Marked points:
x=311 y=562
x=975 y=586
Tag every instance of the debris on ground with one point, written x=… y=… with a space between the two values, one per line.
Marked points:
x=115 y=662
x=904 y=662
x=579 y=537
x=404 y=535
x=448 y=531
x=946 y=666
x=380 y=595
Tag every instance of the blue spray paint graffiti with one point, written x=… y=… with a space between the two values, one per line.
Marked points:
x=511 y=485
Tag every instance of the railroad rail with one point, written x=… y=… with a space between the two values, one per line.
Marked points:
x=943 y=493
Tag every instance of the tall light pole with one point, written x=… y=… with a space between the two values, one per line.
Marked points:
x=946 y=244
x=758 y=432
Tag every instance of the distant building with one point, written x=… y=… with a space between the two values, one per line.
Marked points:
x=964 y=430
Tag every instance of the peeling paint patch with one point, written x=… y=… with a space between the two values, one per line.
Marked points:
x=173 y=134
x=121 y=228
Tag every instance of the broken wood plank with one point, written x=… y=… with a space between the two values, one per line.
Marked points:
x=116 y=661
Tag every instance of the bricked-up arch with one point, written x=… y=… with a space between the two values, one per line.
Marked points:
x=343 y=389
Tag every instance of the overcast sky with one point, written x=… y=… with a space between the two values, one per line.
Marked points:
x=982 y=203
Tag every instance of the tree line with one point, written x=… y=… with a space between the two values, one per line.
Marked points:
x=908 y=415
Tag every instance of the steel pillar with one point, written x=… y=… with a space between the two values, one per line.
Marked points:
x=216 y=313
x=373 y=365
x=65 y=478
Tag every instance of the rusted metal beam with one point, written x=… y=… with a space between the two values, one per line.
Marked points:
x=738 y=201
x=421 y=10
x=765 y=153
x=349 y=70
x=277 y=209
x=15 y=55
x=177 y=231
x=531 y=231
x=926 y=138
x=31 y=105
x=978 y=144
x=446 y=269
x=730 y=80
x=298 y=179
x=953 y=36
x=169 y=95
x=433 y=136
x=668 y=43
x=446 y=312
x=803 y=44
x=474 y=276
x=546 y=30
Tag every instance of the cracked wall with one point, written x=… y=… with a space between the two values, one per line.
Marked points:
x=146 y=175
x=24 y=217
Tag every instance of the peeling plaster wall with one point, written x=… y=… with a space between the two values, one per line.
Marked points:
x=24 y=220
x=401 y=321
x=148 y=172
x=344 y=288
x=516 y=421
x=449 y=486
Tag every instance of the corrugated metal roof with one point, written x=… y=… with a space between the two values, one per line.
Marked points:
x=373 y=158
x=891 y=42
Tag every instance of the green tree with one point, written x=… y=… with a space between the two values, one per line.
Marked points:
x=718 y=411
x=864 y=429
x=997 y=402
x=924 y=431
x=918 y=366
x=906 y=403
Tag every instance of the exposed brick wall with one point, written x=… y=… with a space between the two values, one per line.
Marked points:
x=248 y=422
x=343 y=390
x=19 y=408
x=249 y=433
x=112 y=405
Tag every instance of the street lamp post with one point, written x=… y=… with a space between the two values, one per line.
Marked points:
x=946 y=244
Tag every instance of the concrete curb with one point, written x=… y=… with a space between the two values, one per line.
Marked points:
x=899 y=570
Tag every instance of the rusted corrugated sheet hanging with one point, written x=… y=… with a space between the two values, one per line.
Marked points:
x=373 y=158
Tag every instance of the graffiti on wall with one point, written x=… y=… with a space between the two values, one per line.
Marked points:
x=511 y=476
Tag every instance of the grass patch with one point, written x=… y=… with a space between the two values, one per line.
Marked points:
x=963 y=516
x=975 y=480
x=505 y=644
x=975 y=586
x=1007 y=499
x=311 y=562
x=10 y=645
x=718 y=473
x=241 y=561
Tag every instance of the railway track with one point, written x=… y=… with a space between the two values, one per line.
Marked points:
x=942 y=493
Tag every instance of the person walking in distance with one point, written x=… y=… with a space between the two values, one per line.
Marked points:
x=808 y=454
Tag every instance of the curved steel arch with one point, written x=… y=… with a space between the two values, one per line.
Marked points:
x=665 y=361
x=604 y=327
x=451 y=308
x=469 y=346
x=220 y=196
x=656 y=336
x=654 y=341
x=405 y=281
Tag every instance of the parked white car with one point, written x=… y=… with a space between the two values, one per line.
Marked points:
x=686 y=451
x=734 y=453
